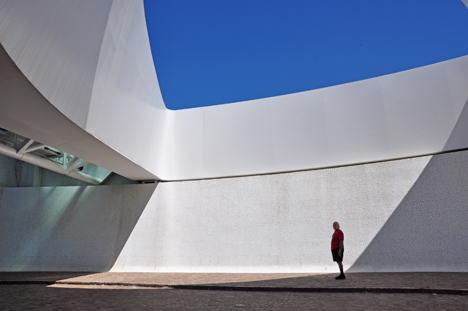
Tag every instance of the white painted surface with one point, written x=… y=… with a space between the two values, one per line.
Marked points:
x=92 y=62
x=56 y=44
x=404 y=215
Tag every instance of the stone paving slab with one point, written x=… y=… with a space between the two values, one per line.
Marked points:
x=410 y=280
x=44 y=298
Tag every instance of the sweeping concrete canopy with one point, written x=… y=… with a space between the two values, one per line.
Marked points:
x=78 y=75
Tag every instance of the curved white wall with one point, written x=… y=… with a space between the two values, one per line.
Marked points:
x=394 y=116
x=92 y=61
x=57 y=44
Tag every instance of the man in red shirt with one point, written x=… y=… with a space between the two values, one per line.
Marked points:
x=337 y=248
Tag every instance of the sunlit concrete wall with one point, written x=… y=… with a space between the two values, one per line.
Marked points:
x=403 y=215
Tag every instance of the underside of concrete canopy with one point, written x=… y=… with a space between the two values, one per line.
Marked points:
x=26 y=112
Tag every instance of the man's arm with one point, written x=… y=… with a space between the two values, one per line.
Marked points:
x=341 y=246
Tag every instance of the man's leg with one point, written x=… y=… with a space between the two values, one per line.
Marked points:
x=338 y=260
x=341 y=276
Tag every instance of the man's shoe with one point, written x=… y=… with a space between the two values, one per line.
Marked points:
x=340 y=277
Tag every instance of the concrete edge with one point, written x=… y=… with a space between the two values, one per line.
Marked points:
x=380 y=290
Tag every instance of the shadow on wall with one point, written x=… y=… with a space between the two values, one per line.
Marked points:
x=428 y=230
x=68 y=228
x=7 y=172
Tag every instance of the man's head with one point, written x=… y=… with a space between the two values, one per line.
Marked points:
x=336 y=225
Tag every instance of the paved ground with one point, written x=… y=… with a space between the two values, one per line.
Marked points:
x=82 y=291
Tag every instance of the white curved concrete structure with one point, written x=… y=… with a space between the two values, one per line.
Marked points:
x=78 y=75
x=92 y=62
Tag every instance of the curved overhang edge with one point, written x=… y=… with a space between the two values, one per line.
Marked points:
x=36 y=118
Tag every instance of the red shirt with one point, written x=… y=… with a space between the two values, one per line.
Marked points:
x=336 y=238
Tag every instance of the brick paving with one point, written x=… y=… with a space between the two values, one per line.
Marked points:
x=85 y=293
x=426 y=280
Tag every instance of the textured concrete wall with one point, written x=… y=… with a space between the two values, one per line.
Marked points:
x=405 y=215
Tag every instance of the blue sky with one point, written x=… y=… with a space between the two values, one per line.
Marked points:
x=211 y=52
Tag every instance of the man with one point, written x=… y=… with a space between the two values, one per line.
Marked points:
x=337 y=248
